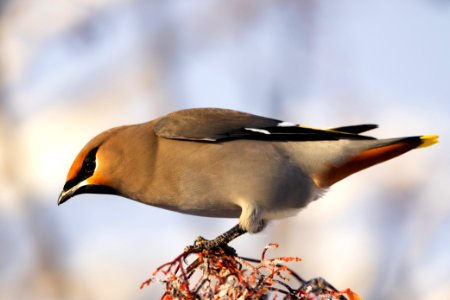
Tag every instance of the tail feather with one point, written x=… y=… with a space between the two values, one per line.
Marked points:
x=372 y=156
x=428 y=140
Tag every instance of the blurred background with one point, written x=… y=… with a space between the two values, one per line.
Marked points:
x=71 y=69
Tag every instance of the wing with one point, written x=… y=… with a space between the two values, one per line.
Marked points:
x=215 y=124
x=356 y=129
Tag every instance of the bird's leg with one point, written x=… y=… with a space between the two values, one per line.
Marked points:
x=228 y=236
x=220 y=241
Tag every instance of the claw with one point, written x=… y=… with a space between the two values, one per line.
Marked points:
x=318 y=285
x=200 y=240
x=221 y=242
x=201 y=244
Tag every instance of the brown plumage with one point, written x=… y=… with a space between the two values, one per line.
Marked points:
x=225 y=163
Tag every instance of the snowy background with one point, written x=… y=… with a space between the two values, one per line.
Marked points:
x=71 y=69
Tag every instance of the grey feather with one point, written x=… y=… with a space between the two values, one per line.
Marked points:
x=214 y=124
x=208 y=124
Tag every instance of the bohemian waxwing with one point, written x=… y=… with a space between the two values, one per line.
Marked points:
x=227 y=164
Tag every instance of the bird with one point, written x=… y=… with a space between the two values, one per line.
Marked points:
x=224 y=163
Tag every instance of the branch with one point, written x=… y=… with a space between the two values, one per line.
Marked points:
x=221 y=274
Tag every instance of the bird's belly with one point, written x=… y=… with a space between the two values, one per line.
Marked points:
x=203 y=209
x=215 y=213
x=217 y=180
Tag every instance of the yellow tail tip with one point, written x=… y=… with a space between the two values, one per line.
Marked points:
x=428 y=140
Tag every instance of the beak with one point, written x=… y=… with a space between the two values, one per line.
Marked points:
x=85 y=187
x=67 y=194
x=64 y=196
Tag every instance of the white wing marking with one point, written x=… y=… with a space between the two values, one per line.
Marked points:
x=258 y=130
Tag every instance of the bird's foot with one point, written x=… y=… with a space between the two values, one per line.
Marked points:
x=219 y=243
x=201 y=244
x=318 y=285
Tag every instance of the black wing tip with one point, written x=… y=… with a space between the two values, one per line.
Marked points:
x=356 y=129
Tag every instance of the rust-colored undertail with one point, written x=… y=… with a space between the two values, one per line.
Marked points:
x=370 y=157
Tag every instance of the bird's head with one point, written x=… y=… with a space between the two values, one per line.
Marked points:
x=93 y=169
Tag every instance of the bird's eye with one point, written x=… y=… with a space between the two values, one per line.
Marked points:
x=89 y=162
x=89 y=166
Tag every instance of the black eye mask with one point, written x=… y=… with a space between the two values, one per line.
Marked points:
x=86 y=171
